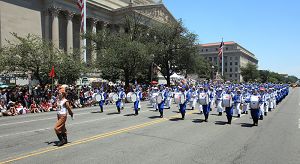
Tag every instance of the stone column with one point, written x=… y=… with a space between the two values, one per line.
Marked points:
x=70 y=16
x=55 y=27
x=94 y=45
x=47 y=23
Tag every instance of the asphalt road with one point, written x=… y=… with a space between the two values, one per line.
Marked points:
x=146 y=139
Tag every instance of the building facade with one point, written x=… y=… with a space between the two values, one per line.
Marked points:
x=59 y=20
x=235 y=57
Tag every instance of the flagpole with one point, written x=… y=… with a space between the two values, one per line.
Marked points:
x=84 y=31
x=223 y=59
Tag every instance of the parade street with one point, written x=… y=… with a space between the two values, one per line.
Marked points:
x=124 y=138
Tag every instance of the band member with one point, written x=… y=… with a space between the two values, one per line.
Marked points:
x=212 y=95
x=255 y=101
x=136 y=103
x=168 y=96
x=63 y=107
x=237 y=98
x=162 y=103
x=102 y=101
x=219 y=101
x=182 y=105
x=262 y=105
x=245 y=96
x=206 y=106
x=200 y=90
x=193 y=100
x=140 y=96
x=121 y=97
x=227 y=103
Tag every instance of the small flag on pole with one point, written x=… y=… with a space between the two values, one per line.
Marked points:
x=52 y=73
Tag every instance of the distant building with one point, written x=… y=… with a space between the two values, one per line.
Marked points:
x=235 y=57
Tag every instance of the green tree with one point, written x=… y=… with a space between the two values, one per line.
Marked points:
x=31 y=53
x=250 y=72
x=173 y=47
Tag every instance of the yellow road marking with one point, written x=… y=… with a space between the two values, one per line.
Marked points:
x=92 y=138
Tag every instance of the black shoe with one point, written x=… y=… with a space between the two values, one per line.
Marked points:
x=119 y=111
x=239 y=116
x=220 y=113
x=265 y=113
x=61 y=140
x=205 y=120
x=64 y=136
x=246 y=112
x=192 y=108
x=201 y=112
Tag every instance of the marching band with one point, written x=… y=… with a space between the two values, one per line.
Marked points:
x=233 y=99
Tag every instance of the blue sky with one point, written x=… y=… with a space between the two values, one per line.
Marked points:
x=268 y=28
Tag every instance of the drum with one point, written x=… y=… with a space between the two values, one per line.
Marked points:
x=177 y=97
x=159 y=99
x=227 y=100
x=203 y=99
x=115 y=97
x=98 y=97
x=254 y=102
x=131 y=97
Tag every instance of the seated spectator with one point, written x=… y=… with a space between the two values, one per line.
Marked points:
x=45 y=106
x=11 y=110
x=34 y=108
x=19 y=108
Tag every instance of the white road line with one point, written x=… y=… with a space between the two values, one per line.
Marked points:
x=49 y=128
x=49 y=118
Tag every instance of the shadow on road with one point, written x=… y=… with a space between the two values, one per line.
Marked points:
x=128 y=115
x=198 y=120
x=113 y=113
x=154 y=117
x=220 y=122
x=97 y=112
x=175 y=111
x=246 y=125
x=175 y=119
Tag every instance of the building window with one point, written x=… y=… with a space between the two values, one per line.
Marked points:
x=225 y=64
x=226 y=48
x=230 y=70
x=230 y=75
x=225 y=69
x=202 y=50
x=236 y=63
x=236 y=69
x=230 y=63
x=235 y=75
x=206 y=50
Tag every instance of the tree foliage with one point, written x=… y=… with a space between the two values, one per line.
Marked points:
x=173 y=47
x=250 y=72
x=32 y=54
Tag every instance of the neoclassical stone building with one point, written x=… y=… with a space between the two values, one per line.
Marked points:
x=59 y=20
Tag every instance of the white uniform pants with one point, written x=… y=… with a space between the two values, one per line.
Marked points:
x=219 y=106
x=237 y=108
x=245 y=107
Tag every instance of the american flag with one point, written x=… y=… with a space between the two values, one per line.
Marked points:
x=220 y=53
x=80 y=4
